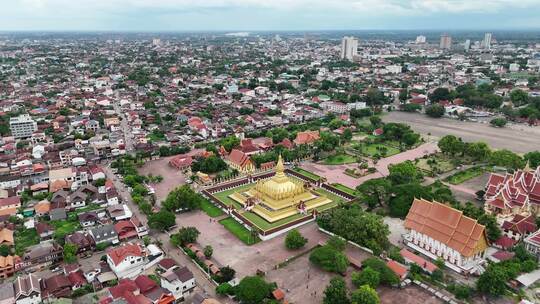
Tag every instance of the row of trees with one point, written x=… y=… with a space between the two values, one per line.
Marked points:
x=479 y=151
x=336 y=293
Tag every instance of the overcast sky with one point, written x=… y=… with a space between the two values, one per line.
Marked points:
x=189 y=15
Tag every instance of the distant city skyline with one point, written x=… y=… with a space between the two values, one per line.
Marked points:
x=257 y=15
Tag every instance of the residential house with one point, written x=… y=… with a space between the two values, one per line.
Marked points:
x=125 y=230
x=141 y=228
x=439 y=231
x=58 y=214
x=44 y=230
x=178 y=280
x=152 y=291
x=84 y=241
x=27 y=289
x=119 y=212
x=104 y=234
x=57 y=286
x=88 y=219
x=7 y=265
x=40 y=256
x=6 y=237
x=10 y=205
x=127 y=261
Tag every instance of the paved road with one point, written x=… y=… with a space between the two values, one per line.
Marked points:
x=128 y=139
x=202 y=281
x=518 y=138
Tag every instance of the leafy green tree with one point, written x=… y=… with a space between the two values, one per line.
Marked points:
x=253 y=290
x=498 y=122
x=295 y=240
x=182 y=198
x=356 y=225
x=365 y=295
x=226 y=274
x=440 y=94
x=450 y=144
x=506 y=158
x=375 y=192
x=162 y=220
x=336 y=292
x=329 y=259
x=211 y=164
x=477 y=150
x=533 y=158
x=403 y=173
x=208 y=251
x=4 y=250
x=224 y=289
x=386 y=275
x=435 y=111
x=368 y=276
x=70 y=253
x=493 y=280
x=519 y=97
x=185 y=236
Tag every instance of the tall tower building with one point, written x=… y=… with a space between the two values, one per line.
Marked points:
x=349 y=48
x=467 y=45
x=487 y=41
x=446 y=42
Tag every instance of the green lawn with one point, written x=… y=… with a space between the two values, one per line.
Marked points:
x=307 y=173
x=441 y=164
x=89 y=207
x=339 y=159
x=211 y=209
x=373 y=149
x=25 y=238
x=465 y=175
x=239 y=231
x=344 y=189
x=63 y=228
x=223 y=196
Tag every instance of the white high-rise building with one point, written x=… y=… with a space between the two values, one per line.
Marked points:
x=420 y=39
x=349 y=48
x=446 y=42
x=467 y=45
x=22 y=126
x=156 y=42
x=487 y=41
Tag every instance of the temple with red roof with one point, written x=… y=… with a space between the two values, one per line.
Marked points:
x=513 y=194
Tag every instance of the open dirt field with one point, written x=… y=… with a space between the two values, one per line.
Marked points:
x=409 y=295
x=518 y=138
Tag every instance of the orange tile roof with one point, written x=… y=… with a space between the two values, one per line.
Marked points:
x=446 y=225
x=397 y=268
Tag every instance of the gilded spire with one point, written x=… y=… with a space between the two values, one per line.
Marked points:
x=527 y=167
x=279 y=166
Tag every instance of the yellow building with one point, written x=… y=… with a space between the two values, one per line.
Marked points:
x=279 y=197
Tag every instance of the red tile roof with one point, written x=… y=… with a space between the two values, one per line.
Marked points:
x=446 y=225
x=118 y=254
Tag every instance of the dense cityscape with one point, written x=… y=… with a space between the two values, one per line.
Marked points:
x=335 y=167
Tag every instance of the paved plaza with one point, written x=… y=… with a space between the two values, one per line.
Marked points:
x=246 y=260
x=519 y=138
x=336 y=173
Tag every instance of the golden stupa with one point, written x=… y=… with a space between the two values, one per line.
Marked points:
x=279 y=197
